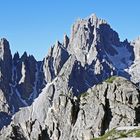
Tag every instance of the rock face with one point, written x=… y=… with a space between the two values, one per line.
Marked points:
x=5 y=80
x=103 y=107
x=19 y=81
x=134 y=69
x=55 y=60
x=66 y=96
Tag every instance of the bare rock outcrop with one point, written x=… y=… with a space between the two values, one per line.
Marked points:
x=113 y=103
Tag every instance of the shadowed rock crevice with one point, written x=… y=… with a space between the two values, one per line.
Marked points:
x=44 y=135
x=137 y=121
x=108 y=114
x=17 y=134
x=107 y=117
x=74 y=111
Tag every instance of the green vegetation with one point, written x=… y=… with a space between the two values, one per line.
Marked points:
x=137 y=134
x=105 y=137
x=84 y=94
x=123 y=135
x=115 y=134
x=111 y=79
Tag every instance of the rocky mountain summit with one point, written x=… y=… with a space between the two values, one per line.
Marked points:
x=85 y=86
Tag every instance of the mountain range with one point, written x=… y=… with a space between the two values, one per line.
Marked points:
x=86 y=85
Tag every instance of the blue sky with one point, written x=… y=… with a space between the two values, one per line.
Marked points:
x=35 y=25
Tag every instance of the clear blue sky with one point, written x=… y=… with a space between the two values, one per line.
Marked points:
x=34 y=25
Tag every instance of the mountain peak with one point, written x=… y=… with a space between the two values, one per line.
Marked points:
x=93 y=16
x=87 y=33
x=4 y=49
x=96 y=21
x=25 y=55
x=3 y=40
x=57 y=43
x=65 y=41
x=4 y=43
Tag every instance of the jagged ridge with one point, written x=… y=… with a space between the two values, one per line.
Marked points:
x=93 y=53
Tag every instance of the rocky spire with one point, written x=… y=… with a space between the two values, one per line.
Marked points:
x=65 y=41
x=89 y=32
x=16 y=58
x=5 y=60
x=24 y=56
x=5 y=52
x=5 y=74
x=96 y=21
